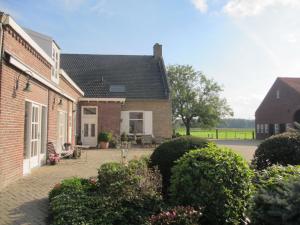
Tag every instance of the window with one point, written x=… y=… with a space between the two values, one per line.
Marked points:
x=262 y=128
x=277 y=94
x=276 y=128
x=89 y=111
x=257 y=128
x=117 y=88
x=136 y=121
x=267 y=128
x=93 y=130
x=288 y=126
x=86 y=130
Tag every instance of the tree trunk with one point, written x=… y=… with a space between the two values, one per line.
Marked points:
x=188 y=128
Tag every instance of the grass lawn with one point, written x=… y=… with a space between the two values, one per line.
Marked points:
x=245 y=134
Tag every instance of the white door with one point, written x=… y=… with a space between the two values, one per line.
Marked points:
x=35 y=142
x=89 y=128
x=62 y=130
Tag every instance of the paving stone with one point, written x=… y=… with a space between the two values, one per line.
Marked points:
x=26 y=200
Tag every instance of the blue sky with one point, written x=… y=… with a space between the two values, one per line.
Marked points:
x=242 y=44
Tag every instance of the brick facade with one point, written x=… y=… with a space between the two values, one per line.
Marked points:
x=275 y=110
x=162 y=114
x=12 y=103
x=109 y=114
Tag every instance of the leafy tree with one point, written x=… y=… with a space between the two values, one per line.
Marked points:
x=194 y=96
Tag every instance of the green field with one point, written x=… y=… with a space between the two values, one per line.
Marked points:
x=245 y=134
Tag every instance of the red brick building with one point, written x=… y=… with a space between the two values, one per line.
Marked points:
x=46 y=97
x=279 y=109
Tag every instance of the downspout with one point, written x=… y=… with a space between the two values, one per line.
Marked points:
x=3 y=17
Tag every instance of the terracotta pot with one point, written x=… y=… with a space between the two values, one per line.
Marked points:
x=104 y=145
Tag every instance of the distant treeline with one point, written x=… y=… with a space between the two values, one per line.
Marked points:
x=237 y=123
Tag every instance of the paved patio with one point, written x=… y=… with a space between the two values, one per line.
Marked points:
x=25 y=201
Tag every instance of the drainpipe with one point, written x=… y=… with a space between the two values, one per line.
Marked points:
x=3 y=19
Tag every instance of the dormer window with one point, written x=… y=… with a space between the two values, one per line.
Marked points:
x=277 y=94
x=55 y=67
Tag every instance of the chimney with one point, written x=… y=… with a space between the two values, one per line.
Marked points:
x=157 y=51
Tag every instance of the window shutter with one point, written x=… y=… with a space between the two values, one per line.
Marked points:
x=27 y=129
x=124 y=128
x=148 y=121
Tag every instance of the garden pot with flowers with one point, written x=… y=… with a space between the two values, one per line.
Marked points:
x=53 y=159
x=103 y=139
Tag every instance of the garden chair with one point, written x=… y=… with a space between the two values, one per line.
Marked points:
x=53 y=156
x=67 y=151
x=147 y=140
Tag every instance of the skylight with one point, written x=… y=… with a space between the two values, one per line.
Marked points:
x=117 y=88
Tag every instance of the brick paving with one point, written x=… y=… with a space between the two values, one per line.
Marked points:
x=25 y=201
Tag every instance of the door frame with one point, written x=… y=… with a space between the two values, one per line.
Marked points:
x=40 y=158
x=89 y=117
x=65 y=135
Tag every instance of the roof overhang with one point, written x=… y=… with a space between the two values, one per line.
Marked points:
x=10 y=21
x=122 y=100
x=66 y=76
x=32 y=73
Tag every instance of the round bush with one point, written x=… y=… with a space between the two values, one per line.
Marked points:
x=167 y=153
x=283 y=149
x=278 y=204
x=268 y=177
x=215 y=179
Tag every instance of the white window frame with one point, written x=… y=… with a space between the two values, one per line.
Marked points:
x=262 y=128
x=55 y=68
x=258 y=128
x=266 y=128
x=143 y=120
x=276 y=128
x=277 y=94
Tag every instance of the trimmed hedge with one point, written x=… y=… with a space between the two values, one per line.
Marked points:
x=125 y=195
x=215 y=179
x=283 y=149
x=165 y=155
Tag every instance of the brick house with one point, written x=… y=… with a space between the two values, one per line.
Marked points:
x=279 y=109
x=123 y=94
x=42 y=101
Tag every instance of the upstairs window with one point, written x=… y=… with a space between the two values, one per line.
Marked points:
x=277 y=94
x=117 y=88
x=55 y=67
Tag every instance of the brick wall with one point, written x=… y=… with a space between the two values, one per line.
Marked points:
x=109 y=114
x=12 y=114
x=14 y=44
x=161 y=112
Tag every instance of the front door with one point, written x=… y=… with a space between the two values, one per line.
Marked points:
x=62 y=130
x=89 y=119
x=35 y=136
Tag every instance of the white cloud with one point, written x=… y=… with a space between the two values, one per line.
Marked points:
x=244 y=8
x=200 y=5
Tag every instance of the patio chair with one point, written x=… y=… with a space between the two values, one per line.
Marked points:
x=53 y=156
x=67 y=151
x=147 y=140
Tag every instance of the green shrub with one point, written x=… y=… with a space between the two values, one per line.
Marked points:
x=104 y=136
x=74 y=184
x=215 y=179
x=165 y=155
x=274 y=174
x=283 y=149
x=278 y=204
x=122 y=195
x=132 y=192
x=179 y=215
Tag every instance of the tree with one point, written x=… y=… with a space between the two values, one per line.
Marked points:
x=196 y=97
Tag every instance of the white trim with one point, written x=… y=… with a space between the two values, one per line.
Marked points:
x=34 y=102
x=31 y=72
x=66 y=76
x=27 y=38
x=103 y=99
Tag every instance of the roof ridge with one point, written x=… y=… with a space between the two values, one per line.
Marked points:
x=95 y=54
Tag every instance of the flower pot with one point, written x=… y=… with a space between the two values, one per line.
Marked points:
x=104 y=145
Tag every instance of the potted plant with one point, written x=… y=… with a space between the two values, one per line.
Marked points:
x=103 y=139
x=124 y=137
